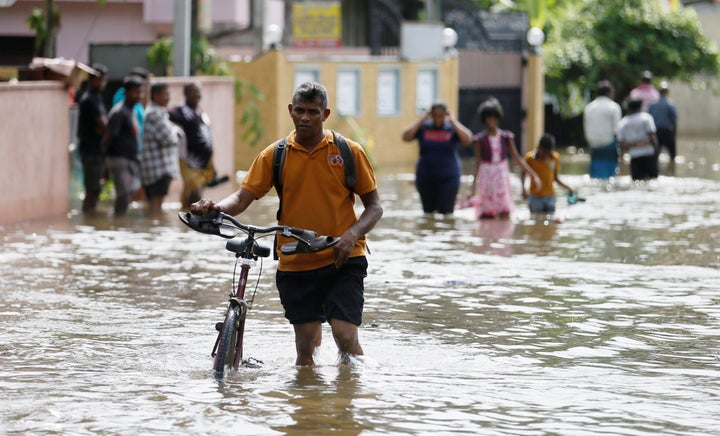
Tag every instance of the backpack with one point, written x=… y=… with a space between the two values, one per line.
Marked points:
x=279 y=161
x=345 y=153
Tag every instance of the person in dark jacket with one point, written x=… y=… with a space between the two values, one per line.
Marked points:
x=92 y=121
x=121 y=142
x=196 y=156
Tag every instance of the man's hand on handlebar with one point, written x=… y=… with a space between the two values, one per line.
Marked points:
x=202 y=206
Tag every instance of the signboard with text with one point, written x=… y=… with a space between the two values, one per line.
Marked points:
x=317 y=24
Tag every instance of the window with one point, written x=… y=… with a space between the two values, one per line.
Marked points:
x=348 y=92
x=388 y=92
x=426 y=91
x=305 y=74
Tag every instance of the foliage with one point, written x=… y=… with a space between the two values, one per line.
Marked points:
x=36 y=22
x=44 y=32
x=534 y=8
x=592 y=40
x=205 y=60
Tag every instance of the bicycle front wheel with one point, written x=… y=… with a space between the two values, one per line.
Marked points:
x=226 y=346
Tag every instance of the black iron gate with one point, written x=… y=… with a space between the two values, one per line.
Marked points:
x=510 y=99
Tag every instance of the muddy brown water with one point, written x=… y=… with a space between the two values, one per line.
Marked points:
x=608 y=323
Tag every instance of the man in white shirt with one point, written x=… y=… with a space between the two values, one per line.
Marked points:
x=600 y=121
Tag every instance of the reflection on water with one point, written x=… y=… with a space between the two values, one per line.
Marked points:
x=606 y=322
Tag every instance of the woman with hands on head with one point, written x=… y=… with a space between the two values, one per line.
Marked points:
x=438 y=170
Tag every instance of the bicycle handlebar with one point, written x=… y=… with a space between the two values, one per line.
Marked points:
x=307 y=241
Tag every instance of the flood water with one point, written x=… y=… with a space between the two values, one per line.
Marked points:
x=606 y=323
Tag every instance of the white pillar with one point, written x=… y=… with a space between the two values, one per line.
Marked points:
x=181 y=38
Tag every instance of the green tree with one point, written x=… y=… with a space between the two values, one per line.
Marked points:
x=590 y=40
x=46 y=24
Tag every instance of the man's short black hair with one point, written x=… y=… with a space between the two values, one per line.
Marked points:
x=190 y=85
x=140 y=71
x=157 y=88
x=309 y=92
x=132 y=82
x=605 y=88
x=101 y=69
x=634 y=105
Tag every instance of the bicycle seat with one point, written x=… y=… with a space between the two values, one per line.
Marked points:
x=207 y=224
x=309 y=246
x=237 y=246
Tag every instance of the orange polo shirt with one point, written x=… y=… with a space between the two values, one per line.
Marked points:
x=547 y=170
x=314 y=194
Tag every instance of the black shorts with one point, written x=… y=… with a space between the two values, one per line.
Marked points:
x=644 y=167
x=159 y=188
x=324 y=293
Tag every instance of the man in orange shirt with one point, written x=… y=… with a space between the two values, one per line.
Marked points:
x=546 y=164
x=327 y=285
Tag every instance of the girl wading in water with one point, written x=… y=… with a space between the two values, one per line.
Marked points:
x=493 y=148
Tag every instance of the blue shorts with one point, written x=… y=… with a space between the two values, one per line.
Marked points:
x=541 y=204
x=604 y=161
x=324 y=293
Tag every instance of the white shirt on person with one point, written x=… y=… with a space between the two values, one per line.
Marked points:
x=635 y=128
x=600 y=121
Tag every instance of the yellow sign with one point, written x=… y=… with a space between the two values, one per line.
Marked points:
x=317 y=24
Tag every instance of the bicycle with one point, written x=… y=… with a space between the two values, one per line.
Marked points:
x=228 y=348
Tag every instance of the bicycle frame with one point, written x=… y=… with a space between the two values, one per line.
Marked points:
x=248 y=250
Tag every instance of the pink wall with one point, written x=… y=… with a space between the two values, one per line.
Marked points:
x=86 y=22
x=223 y=12
x=35 y=138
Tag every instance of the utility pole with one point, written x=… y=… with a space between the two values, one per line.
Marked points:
x=181 y=38
x=49 y=43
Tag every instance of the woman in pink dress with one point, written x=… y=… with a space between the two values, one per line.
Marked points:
x=493 y=147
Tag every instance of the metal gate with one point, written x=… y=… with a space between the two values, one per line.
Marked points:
x=511 y=101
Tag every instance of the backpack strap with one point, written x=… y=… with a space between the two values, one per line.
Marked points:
x=278 y=163
x=348 y=160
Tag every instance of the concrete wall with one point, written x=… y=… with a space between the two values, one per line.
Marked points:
x=273 y=73
x=35 y=139
x=34 y=168
x=698 y=105
x=480 y=69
